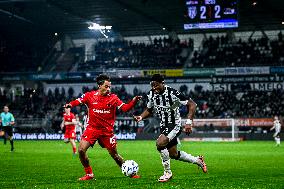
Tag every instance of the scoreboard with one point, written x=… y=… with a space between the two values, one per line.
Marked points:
x=210 y=14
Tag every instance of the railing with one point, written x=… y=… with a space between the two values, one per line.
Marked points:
x=32 y=124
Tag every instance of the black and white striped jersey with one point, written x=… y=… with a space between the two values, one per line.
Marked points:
x=166 y=105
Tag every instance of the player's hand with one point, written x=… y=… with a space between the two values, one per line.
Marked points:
x=137 y=118
x=137 y=98
x=187 y=129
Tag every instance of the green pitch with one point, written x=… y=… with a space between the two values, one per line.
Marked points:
x=50 y=164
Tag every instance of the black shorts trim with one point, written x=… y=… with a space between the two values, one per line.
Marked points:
x=174 y=141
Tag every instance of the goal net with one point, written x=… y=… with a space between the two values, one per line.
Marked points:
x=214 y=130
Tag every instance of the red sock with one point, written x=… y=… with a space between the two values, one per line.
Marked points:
x=88 y=170
x=74 y=150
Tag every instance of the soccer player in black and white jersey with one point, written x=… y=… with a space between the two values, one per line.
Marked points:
x=277 y=128
x=165 y=102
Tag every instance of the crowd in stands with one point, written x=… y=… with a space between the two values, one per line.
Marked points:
x=161 y=53
x=225 y=52
x=211 y=104
x=238 y=103
x=164 y=52
x=221 y=51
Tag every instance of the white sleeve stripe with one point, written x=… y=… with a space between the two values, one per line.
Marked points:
x=120 y=106
x=184 y=102
x=79 y=100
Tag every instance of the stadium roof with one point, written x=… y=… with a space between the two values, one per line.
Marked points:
x=127 y=17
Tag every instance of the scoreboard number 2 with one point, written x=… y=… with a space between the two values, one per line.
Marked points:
x=217 y=10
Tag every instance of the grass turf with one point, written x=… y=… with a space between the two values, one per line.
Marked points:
x=50 y=164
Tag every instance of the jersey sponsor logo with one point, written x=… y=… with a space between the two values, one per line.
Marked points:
x=163 y=109
x=102 y=111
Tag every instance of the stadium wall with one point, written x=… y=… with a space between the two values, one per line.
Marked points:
x=254 y=86
x=153 y=136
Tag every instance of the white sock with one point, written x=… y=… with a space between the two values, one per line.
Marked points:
x=278 y=141
x=187 y=157
x=166 y=162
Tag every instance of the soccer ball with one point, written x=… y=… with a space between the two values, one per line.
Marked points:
x=129 y=168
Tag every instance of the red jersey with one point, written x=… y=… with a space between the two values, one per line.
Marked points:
x=101 y=109
x=69 y=118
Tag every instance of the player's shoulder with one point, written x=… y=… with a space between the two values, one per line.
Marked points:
x=151 y=92
x=169 y=88
x=113 y=95
x=172 y=90
x=89 y=93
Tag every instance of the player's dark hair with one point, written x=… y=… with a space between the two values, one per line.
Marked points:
x=158 y=78
x=67 y=106
x=102 y=78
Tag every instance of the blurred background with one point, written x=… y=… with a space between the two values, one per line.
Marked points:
x=228 y=56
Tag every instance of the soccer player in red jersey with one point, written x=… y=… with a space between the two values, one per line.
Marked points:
x=69 y=122
x=101 y=106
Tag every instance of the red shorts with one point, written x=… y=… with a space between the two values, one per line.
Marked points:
x=106 y=140
x=70 y=133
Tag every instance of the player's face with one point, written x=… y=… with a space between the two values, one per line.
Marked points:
x=67 y=110
x=6 y=109
x=105 y=88
x=157 y=87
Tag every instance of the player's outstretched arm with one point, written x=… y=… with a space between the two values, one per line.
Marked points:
x=272 y=128
x=191 y=113
x=73 y=122
x=147 y=112
x=131 y=104
x=62 y=124
x=83 y=99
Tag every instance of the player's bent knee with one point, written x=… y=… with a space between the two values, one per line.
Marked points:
x=160 y=147
x=175 y=155
x=81 y=150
